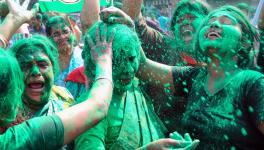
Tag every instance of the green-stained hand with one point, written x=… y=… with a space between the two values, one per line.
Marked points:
x=20 y=12
x=115 y=15
x=185 y=143
x=102 y=49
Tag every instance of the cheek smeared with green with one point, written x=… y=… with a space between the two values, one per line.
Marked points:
x=229 y=41
x=179 y=38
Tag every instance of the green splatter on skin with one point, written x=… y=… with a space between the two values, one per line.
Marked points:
x=229 y=35
x=38 y=60
x=184 y=30
x=38 y=76
x=126 y=56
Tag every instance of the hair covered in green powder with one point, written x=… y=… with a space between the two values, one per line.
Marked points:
x=249 y=34
x=124 y=39
x=11 y=87
x=38 y=43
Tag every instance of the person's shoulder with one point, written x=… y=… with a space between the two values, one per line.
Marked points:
x=250 y=75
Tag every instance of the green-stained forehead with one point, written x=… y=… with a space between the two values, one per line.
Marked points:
x=222 y=13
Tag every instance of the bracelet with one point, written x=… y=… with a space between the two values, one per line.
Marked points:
x=106 y=78
x=4 y=41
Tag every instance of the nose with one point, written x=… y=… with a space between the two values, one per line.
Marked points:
x=215 y=24
x=186 y=21
x=127 y=68
x=35 y=71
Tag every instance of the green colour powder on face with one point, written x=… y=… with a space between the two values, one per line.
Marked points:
x=185 y=38
x=126 y=54
x=230 y=36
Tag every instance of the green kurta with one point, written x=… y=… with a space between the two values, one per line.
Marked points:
x=130 y=124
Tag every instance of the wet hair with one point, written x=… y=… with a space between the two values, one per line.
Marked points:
x=55 y=20
x=125 y=38
x=198 y=6
x=36 y=43
x=11 y=86
x=249 y=34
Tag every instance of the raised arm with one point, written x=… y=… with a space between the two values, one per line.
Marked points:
x=155 y=73
x=15 y=18
x=132 y=8
x=90 y=13
x=85 y=115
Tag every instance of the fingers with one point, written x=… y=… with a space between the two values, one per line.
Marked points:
x=176 y=136
x=25 y=4
x=112 y=36
x=97 y=36
x=187 y=137
x=110 y=11
x=103 y=33
x=89 y=41
x=193 y=145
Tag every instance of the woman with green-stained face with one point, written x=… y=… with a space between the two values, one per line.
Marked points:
x=130 y=122
x=46 y=132
x=38 y=60
x=173 y=48
x=59 y=30
x=224 y=99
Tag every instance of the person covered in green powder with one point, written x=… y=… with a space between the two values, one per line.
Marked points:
x=37 y=58
x=173 y=49
x=59 y=30
x=225 y=100
x=49 y=132
x=130 y=122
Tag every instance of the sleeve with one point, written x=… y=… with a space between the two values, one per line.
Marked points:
x=93 y=138
x=37 y=133
x=154 y=43
x=256 y=101
x=182 y=79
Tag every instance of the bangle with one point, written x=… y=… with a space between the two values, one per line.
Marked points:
x=4 y=41
x=106 y=78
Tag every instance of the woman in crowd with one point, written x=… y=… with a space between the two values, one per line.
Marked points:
x=224 y=100
x=50 y=132
x=173 y=49
x=59 y=31
x=38 y=60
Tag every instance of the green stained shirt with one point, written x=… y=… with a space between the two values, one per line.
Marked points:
x=41 y=133
x=230 y=117
x=129 y=124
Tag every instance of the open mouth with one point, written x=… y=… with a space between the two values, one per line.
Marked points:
x=213 y=35
x=187 y=32
x=36 y=86
x=125 y=81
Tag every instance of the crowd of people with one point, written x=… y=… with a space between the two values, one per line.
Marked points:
x=114 y=79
